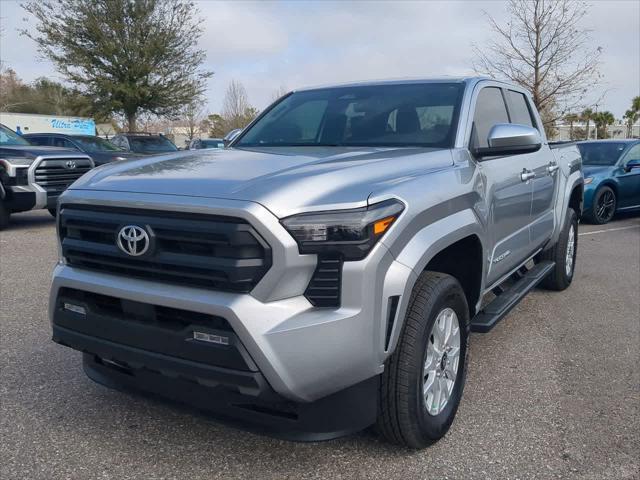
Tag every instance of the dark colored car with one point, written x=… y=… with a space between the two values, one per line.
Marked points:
x=611 y=177
x=203 y=143
x=32 y=176
x=144 y=143
x=99 y=149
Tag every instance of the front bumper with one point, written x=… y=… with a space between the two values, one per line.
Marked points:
x=303 y=353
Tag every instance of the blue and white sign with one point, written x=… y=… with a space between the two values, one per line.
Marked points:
x=78 y=126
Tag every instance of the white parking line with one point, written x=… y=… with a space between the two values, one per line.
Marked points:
x=609 y=230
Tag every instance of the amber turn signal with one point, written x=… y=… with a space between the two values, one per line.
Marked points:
x=381 y=226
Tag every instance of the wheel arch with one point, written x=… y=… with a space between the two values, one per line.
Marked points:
x=453 y=244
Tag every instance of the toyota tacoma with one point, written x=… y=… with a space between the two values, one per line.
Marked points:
x=323 y=273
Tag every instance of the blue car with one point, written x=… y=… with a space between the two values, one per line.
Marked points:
x=611 y=177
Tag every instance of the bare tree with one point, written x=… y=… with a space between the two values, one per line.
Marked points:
x=544 y=48
x=237 y=112
x=192 y=119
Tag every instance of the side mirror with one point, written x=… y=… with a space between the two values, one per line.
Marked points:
x=510 y=139
x=231 y=136
x=631 y=164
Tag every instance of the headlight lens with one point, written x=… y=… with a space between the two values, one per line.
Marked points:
x=588 y=180
x=350 y=233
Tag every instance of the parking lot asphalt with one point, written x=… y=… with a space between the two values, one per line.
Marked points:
x=552 y=392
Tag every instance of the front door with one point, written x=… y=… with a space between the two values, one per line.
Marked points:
x=508 y=196
x=629 y=180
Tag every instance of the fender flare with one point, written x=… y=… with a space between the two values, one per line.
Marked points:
x=425 y=245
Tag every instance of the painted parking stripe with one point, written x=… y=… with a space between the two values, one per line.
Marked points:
x=609 y=230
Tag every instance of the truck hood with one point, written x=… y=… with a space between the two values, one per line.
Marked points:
x=30 y=152
x=286 y=180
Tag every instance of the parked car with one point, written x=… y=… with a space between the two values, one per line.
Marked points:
x=323 y=273
x=32 y=177
x=612 y=178
x=99 y=149
x=204 y=143
x=144 y=143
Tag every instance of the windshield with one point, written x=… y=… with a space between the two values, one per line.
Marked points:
x=9 y=137
x=151 y=145
x=212 y=143
x=418 y=114
x=95 y=144
x=604 y=154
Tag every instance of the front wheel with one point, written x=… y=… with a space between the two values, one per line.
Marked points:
x=604 y=206
x=422 y=382
x=563 y=253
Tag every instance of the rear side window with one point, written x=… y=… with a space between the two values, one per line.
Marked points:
x=41 y=141
x=490 y=109
x=63 y=142
x=518 y=108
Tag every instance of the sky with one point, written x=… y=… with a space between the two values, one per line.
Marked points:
x=271 y=45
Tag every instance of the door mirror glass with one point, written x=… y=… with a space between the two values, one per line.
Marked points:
x=510 y=139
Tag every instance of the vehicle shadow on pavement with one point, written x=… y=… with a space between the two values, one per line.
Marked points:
x=25 y=221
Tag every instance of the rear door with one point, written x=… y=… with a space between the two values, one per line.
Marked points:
x=544 y=166
x=508 y=196
x=629 y=180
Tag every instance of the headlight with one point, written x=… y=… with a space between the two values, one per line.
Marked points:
x=588 y=180
x=350 y=233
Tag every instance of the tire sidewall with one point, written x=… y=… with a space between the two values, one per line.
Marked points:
x=439 y=424
x=572 y=220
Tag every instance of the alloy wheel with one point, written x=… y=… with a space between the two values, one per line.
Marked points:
x=442 y=361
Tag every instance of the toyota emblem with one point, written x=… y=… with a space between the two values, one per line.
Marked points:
x=71 y=164
x=133 y=240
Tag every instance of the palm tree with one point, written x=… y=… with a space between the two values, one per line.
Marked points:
x=603 y=120
x=571 y=118
x=630 y=117
x=586 y=116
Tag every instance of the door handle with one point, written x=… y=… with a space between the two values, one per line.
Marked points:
x=552 y=168
x=527 y=175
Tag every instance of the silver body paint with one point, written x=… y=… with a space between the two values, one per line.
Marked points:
x=304 y=352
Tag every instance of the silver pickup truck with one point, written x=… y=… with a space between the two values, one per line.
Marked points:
x=324 y=272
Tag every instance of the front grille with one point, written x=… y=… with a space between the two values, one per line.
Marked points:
x=56 y=174
x=324 y=288
x=215 y=252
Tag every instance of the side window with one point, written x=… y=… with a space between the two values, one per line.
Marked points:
x=490 y=109
x=41 y=141
x=518 y=107
x=63 y=142
x=633 y=154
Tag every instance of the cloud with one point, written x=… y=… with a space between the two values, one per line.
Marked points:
x=269 y=44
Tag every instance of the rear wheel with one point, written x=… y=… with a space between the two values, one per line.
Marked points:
x=53 y=212
x=4 y=215
x=423 y=380
x=563 y=253
x=604 y=206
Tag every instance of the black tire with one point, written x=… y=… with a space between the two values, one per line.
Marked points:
x=559 y=279
x=53 y=212
x=4 y=215
x=403 y=418
x=604 y=206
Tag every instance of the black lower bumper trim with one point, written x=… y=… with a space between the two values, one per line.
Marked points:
x=243 y=399
x=20 y=201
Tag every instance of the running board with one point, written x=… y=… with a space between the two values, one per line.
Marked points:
x=495 y=311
